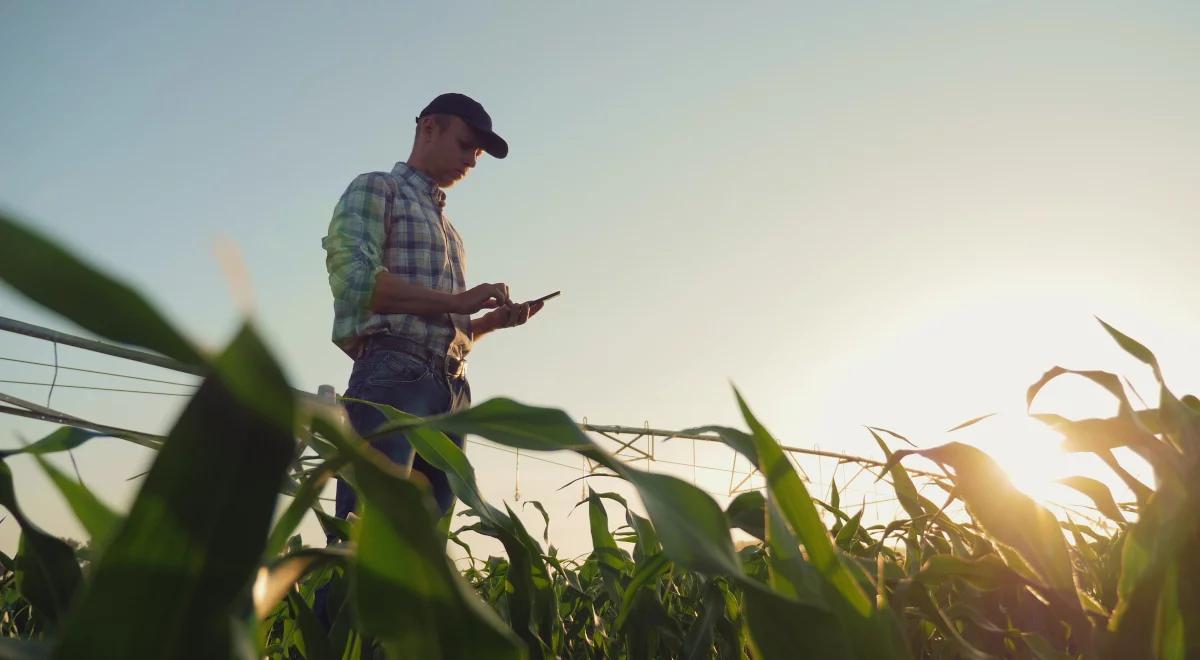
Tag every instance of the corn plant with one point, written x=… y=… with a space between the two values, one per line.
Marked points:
x=197 y=567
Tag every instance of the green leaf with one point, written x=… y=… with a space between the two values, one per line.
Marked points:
x=52 y=277
x=1041 y=649
x=791 y=575
x=404 y=589
x=907 y=493
x=1099 y=494
x=693 y=530
x=698 y=643
x=1096 y=435
x=193 y=538
x=1014 y=520
x=68 y=438
x=1100 y=436
x=47 y=574
x=604 y=547
x=1133 y=348
x=1007 y=514
x=648 y=544
x=747 y=512
x=986 y=572
x=970 y=422
x=784 y=629
x=790 y=508
x=738 y=440
x=1157 y=569
x=22 y=649
x=1179 y=421
x=895 y=435
x=305 y=498
x=647 y=571
x=845 y=537
x=872 y=632
x=545 y=516
x=533 y=605
x=335 y=528
x=517 y=425
x=797 y=507
x=275 y=582
x=314 y=643
x=95 y=516
x=921 y=597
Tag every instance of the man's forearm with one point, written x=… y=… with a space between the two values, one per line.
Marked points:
x=393 y=295
x=481 y=326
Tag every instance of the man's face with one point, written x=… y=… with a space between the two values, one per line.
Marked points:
x=453 y=151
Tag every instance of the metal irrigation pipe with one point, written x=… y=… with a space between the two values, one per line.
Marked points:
x=38 y=332
x=145 y=357
x=847 y=458
x=136 y=437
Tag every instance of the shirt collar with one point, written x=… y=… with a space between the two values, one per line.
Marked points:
x=420 y=180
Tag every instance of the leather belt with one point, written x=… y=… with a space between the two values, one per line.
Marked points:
x=451 y=366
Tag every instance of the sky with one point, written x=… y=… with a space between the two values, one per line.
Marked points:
x=865 y=214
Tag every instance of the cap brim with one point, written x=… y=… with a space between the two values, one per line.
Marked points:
x=493 y=144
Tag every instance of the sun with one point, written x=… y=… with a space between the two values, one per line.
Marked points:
x=1031 y=455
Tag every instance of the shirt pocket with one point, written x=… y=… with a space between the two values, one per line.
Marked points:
x=416 y=244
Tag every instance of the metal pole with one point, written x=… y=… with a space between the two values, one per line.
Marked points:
x=712 y=438
x=137 y=437
x=38 y=332
x=146 y=357
x=29 y=330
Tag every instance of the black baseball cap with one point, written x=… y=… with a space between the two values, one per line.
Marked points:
x=469 y=110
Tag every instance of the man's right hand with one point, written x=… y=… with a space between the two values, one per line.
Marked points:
x=483 y=296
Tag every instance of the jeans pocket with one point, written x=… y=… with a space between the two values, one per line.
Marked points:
x=395 y=368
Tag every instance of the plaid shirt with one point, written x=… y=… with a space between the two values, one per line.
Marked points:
x=394 y=222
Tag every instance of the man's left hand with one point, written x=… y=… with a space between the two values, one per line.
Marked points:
x=513 y=314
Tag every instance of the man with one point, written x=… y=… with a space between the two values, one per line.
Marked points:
x=396 y=265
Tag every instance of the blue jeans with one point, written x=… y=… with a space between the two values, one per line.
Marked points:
x=407 y=383
x=412 y=385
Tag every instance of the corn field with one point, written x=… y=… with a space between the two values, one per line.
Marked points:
x=203 y=566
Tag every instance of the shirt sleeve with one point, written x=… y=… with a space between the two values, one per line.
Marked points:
x=354 y=244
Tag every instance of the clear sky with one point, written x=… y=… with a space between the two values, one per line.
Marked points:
x=874 y=213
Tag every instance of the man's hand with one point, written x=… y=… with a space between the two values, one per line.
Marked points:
x=511 y=315
x=483 y=296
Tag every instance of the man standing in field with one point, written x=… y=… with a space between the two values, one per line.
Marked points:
x=402 y=309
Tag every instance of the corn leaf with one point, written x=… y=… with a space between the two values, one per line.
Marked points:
x=1100 y=495
x=192 y=540
x=47 y=574
x=404 y=590
x=94 y=515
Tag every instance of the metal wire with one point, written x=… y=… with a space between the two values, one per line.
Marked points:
x=700 y=467
x=490 y=445
x=98 y=389
x=95 y=371
x=54 y=379
x=49 y=395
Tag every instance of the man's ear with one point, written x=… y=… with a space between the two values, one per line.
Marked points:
x=426 y=126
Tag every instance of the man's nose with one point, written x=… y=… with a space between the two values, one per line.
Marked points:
x=471 y=160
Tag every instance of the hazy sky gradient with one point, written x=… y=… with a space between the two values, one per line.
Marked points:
x=870 y=214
